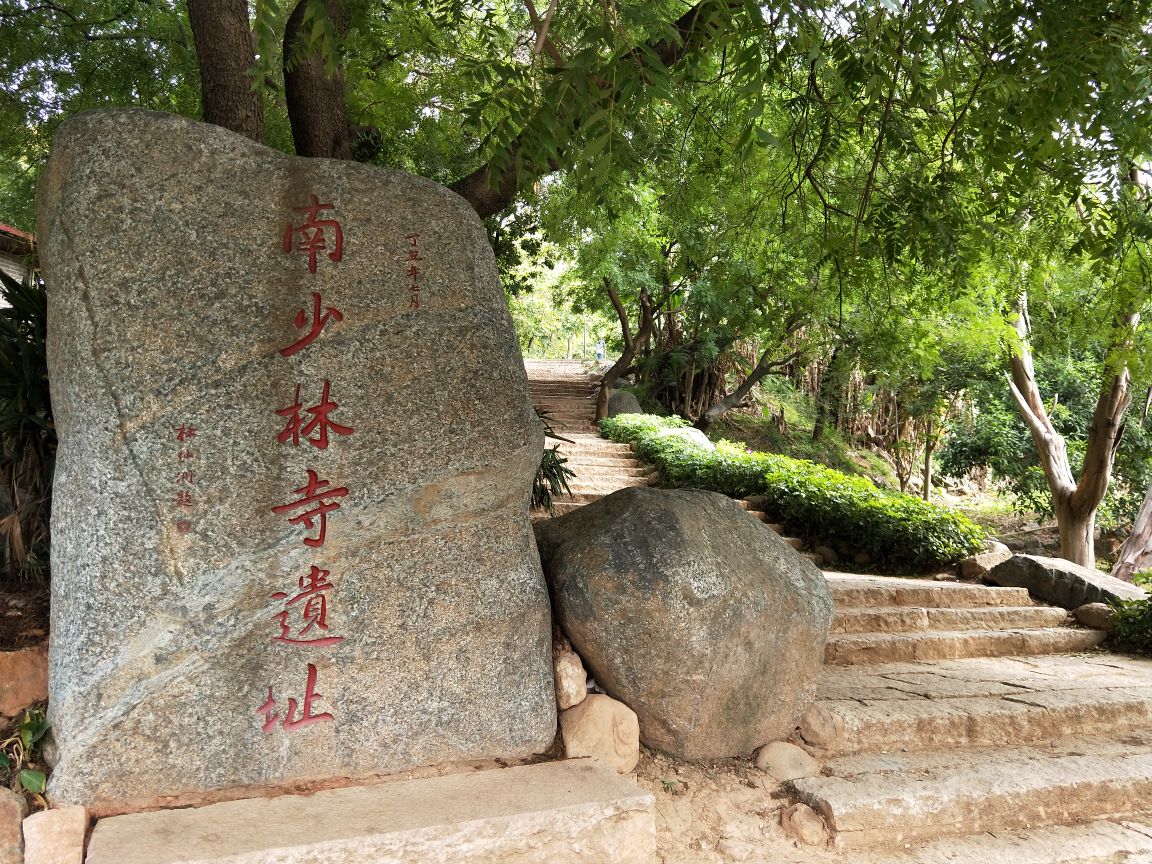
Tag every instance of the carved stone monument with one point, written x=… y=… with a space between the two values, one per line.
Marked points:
x=290 y=534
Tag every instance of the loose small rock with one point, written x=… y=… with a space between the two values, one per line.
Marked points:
x=571 y=680
x=786 y=761
x=1099 y=616
x=602 y=728
x=56 y=836
x=12 y=810
x=802 y=823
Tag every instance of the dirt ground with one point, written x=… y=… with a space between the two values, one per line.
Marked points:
x=23 y=615
x=727 y=811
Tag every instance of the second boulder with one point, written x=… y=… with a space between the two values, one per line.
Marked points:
x=692 y=613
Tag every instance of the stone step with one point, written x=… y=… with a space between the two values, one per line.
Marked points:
x=858 y=648
x=602 y=486
x=907 y=619
x=887 y=800
x=571 y=811
x=606 y=479
x=1099 y=842
x=580 y=418
x=600 y=475
x=618 y=469
x=582 y=497
x=568 y=427
x=560 y=507
x=602 y=460
x=978 y=701
x=853 y=590
x=590 y=444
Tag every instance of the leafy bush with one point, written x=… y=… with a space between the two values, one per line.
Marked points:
x=811 y=499
x=27 y=433
x=1134 y=620
x=552 y=475
x=22 y=767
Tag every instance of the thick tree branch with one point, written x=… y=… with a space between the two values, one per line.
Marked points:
x=764 y=366
x=1104 y=433
x=631 y=344
x=621 y=312
x=508 y=174
x=541 y=26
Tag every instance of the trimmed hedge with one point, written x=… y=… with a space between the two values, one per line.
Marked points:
x=810 y=499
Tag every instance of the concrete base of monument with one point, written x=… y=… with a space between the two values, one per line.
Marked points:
x=549 y=813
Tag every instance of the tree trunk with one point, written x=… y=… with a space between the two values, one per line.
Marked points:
x=315 y=100
x=1136 y=553
x=224 y=54
x=631 y=344
x=1077 y=532
x=762 y=368
x=929 y=446
x=829 y=393
x=1073 y=502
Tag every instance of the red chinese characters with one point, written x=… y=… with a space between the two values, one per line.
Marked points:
x=184 y=498
x=320 y=424
x=318 y=320
x=272 y=714
x=314 y=506
x=302 y=620
x=308 y=610
x=414 y=271
x=312 y=236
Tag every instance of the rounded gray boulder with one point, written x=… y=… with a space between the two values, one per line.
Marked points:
x=623 y=402
x=692 y=613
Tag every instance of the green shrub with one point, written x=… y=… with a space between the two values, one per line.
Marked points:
x=1134 y=620
x=810 y=499
x=27 y=432
x=1134 y=625
x=552 y=475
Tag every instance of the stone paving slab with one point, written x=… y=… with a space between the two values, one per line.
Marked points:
x=917 y=796
x=909 y=619
x=856 y=590
x=1098 y=842
x=862 y=648
x=551 y=813
x=977 y=701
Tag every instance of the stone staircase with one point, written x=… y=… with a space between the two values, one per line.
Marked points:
x=752 y=505
x=567 y=393
x=883 y=619
x=950 y=728
x=953 y=722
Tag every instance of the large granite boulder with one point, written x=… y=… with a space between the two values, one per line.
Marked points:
x=1060 y=582
x=290 y=538
x=623 y=402
x=692 y=613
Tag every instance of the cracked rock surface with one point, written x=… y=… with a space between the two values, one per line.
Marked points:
x=184 y=264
